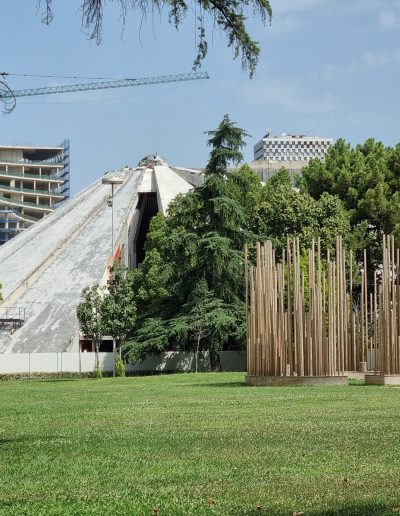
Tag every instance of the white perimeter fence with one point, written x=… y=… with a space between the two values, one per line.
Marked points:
x=171 y=361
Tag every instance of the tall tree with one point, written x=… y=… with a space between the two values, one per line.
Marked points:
x=246 y=187
x=206 y=322
x=227 y=142
x=89 y=317
x=118 y=307
x=366 y=179
x=200 y=245
x=283 y=212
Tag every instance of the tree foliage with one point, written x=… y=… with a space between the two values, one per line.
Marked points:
x=110 y=310
x=284 y=212
x=189 y=293
x=89 y=317
x=196 y=253
x=226 y=142
x=246 y=188
x=118 y=307
x=228 y=15
x=190 y=290
x=366 y=179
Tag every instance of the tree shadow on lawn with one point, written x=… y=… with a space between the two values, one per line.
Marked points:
x=33 y=439
x=9 y=440
x=222 y=384
x=351 y=383
x=366 y=509
x=56 y=380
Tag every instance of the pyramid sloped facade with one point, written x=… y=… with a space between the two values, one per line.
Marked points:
x=44 y=269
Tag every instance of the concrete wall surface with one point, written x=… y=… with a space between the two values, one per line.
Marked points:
x=169 y=185
x=170 y=361
x=45 y=268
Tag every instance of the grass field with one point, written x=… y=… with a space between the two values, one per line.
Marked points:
x=201 y=444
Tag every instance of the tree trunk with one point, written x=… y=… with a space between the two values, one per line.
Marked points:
x=97 y=361
x=215 y=360
x=196 y=358
x=114 y=358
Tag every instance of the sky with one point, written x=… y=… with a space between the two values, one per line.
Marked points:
x=329 y=69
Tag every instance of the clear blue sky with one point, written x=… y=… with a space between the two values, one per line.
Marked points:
x=329 y=68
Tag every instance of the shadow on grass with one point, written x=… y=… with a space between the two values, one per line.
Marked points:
x=244 y=384
x=56 y=380
x=12 y=440
x=368 y=509
x=46 y=439
x=222 y=384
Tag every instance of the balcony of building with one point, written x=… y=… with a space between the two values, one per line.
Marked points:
x=23 y=203
x=33 y=191
x=38 y=177
x=31 y=164
x=52 y=156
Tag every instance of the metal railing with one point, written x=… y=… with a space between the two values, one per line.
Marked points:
x=31 y=176
x=9 y=230
x=28 y=162
x=23 y=204
x=12 y=317
x=31 y=190
x=13 y=312
x=18 y=215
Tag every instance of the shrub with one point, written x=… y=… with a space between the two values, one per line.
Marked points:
x=97 y=373
x=120 y=367
x=44 y=376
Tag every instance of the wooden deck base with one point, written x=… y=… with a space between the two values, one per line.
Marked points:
x=315 y=381
x=355 y=375
x=382 y=379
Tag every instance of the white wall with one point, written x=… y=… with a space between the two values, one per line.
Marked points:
x=171 y=361
x=53 y=362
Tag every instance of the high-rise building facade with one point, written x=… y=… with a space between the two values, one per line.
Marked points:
x=289 y=151
x=34 y=181
x=291 y=147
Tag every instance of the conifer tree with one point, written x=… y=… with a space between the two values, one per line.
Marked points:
x=201 y=246
x=228 y=15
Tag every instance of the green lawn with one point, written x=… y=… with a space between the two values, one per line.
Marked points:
x=201 y=444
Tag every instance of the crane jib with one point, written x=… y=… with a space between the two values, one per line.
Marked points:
x=123 y=83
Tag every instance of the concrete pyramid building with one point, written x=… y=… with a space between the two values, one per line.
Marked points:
x=44 y=269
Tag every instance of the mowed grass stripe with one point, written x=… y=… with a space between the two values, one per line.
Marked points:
x=197 y=444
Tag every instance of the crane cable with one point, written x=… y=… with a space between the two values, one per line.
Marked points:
x=62 y=76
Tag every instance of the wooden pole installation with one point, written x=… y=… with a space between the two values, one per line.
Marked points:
x=303 y=319
x=292 y=328
x=385 y=328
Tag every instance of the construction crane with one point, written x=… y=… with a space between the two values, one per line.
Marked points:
x=8 y=96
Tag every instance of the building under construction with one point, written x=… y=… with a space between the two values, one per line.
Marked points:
x=34 y=181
